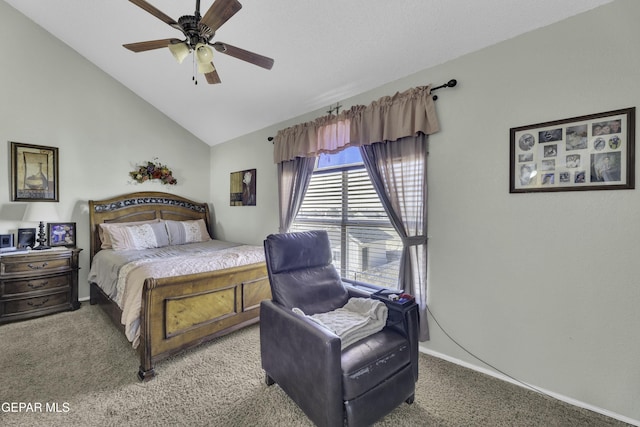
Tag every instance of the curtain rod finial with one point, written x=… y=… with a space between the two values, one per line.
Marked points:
x=450 y=83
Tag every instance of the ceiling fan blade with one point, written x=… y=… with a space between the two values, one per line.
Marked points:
x=220 y=12
x=155 y=12
x=150 y=45
x=213 y=77
x=244 y=55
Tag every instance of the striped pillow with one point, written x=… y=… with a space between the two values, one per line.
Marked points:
x=181 y=232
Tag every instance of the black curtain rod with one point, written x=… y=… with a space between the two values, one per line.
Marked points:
x=450 y=83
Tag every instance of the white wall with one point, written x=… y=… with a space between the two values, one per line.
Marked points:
x=101 y=128
x=543 y=286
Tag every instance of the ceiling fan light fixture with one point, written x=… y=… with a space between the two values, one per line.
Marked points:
x=205 y=68
x=204 y=54
x=180 y=51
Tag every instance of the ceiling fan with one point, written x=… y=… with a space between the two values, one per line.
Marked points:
x=199 y=31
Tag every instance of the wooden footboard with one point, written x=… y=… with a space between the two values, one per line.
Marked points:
x=185 y=311
x=182 y=312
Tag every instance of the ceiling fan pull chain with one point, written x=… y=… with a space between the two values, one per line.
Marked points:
x=195 y=74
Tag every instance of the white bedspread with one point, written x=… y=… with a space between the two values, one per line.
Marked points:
x=121 y=274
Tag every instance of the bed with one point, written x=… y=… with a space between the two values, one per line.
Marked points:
x=177 y=312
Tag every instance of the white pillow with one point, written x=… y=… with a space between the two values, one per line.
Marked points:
x=106 y=229
x=144 y=236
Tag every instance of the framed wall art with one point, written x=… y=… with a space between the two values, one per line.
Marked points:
x=243 y=188
x=34 y=173
x=61 y=234
x=593 y=152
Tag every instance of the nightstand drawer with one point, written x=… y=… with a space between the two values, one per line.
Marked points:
x=25 y=305
x=13 y=287
x=35 y=265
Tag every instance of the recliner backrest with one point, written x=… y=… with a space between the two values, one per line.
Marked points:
x=301 y=273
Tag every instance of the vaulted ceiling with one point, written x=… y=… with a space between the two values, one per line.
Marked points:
x=324 y=51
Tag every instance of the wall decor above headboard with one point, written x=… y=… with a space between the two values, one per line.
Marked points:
x=153 y=170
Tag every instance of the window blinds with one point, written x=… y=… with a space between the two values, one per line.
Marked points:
x=366 y=248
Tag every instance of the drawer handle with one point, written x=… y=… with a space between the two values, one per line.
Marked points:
x=37 y=267
x=32 y=286
x=38 y=304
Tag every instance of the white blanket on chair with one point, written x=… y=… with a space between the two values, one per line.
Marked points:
x=357 y=319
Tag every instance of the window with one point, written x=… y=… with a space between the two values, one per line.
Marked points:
x=342 y=200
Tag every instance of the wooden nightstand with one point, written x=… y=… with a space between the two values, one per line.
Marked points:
x=38 y=283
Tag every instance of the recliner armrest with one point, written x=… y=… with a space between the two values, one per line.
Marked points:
x=357 y=293
x=304 y=359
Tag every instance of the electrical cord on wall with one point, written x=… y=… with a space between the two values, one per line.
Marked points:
x=529 y=386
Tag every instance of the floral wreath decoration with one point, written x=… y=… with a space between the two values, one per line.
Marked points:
x=153 y=170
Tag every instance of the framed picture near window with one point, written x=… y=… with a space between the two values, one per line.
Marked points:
x=61 y=234
x=34 y=173
x=593 y=152
x=243 y=188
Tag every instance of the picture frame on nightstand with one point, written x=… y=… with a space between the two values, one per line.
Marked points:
x=62 y=234
x=6 y=242
x=26 y=238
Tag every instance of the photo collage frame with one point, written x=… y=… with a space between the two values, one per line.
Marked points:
x=593 y=152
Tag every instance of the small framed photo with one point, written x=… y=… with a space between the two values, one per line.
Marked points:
x=34 y=173
x=593 y=152
x=26 y=238
x=6 y=241
x=62 y=234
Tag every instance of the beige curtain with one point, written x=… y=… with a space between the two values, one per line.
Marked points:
x=387 y=119
x=394 y=117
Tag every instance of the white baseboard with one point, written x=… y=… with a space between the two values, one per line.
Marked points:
x=560 y=397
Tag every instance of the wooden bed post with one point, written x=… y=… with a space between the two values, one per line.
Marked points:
x=146 y=371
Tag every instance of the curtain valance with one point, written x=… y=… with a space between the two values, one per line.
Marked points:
x=387 y=119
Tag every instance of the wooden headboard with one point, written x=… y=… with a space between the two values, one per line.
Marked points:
x=142 y=206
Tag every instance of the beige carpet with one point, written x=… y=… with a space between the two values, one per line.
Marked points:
x=81 y=362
